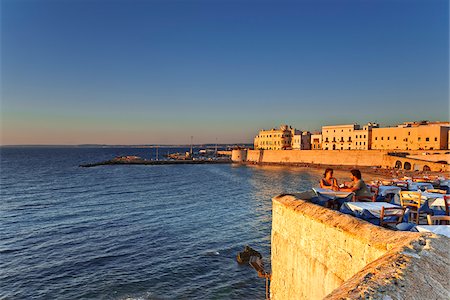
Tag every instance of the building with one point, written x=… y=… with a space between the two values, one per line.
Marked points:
x=276 y=139
x=412 y=136
x=306 y=141
x=347 y=137
x=362 y=138
x=297 y=140
x=301 y=140
x=316 y=141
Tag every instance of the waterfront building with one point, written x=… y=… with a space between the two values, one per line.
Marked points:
x=347 y=137
x=301 y=140
x=306 y=141
x=316 y=141
x=412 y=136
x=276 y=139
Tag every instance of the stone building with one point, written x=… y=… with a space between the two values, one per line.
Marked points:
x=412 y=136
x=347 y=137
x=316 y=141
x=276 y=139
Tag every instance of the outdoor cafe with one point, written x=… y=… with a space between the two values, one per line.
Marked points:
x=408 y=204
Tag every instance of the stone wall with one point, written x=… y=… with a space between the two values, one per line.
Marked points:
x=336 y=157
x=317 y=253
x=369 y=158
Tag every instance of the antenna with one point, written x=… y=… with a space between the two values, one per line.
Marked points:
x=191 y=144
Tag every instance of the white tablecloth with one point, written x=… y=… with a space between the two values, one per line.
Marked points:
x=414 y=186
x=383 y=190
x=438 y=229
x=331 y=193
x=434 y=199
x=373 y=207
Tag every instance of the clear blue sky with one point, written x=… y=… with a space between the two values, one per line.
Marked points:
x=136 y=72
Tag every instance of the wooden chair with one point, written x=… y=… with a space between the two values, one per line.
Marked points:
x=411 y=200
x=447 y=204
x=387 y=214
x=437 y=191
x=371 y=198
x=438 y=220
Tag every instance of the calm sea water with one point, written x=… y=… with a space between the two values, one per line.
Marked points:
x=133 y=232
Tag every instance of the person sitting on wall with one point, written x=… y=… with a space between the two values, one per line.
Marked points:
x=328 y=181
x=357 y=185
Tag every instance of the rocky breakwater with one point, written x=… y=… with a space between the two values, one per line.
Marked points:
x=136 y=160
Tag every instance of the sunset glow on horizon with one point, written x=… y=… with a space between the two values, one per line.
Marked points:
x=158 y=72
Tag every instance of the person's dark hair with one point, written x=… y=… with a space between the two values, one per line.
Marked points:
x=356 y=173
x=326 y=171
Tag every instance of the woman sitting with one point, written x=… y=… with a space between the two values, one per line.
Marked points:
x=328 y=181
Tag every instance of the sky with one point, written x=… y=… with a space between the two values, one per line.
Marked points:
x=159 y=72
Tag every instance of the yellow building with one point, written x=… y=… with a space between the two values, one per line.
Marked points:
x=347 y=137
x=316 y=141
x=412 y=136
x=275 y=139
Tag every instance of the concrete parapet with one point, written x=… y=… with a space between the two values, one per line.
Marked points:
x=318 y=252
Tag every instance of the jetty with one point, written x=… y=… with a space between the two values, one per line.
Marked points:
x=135 y=160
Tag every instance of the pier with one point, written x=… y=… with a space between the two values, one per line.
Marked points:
x=140 y=161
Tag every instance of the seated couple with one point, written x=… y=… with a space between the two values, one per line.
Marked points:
x=357 y=185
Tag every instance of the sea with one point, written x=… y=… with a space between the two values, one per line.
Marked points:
x=133 y=231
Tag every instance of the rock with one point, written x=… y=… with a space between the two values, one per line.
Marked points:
x=244 y=256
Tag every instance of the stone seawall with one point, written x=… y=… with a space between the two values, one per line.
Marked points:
x=318 y=253
x=337 y=157
x=363 y=158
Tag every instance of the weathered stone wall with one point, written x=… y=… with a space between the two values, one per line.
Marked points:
x=339 y=157
x=317 y=251
x=336 y=157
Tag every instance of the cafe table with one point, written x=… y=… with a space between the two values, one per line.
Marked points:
x=332 y=194
x=373 y=208
x=384 y=190
x=438 y=229
x=415 y=186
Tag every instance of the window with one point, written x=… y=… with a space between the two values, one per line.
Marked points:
x=376 y=138
x=388 y=138
x=427 y=139
x=382 y=138
x=395 y=138
x=409 y=133
x=364 y=136
x=418 y=138
x=435 y=139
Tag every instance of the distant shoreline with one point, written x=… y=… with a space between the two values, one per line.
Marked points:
x=128 y=146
